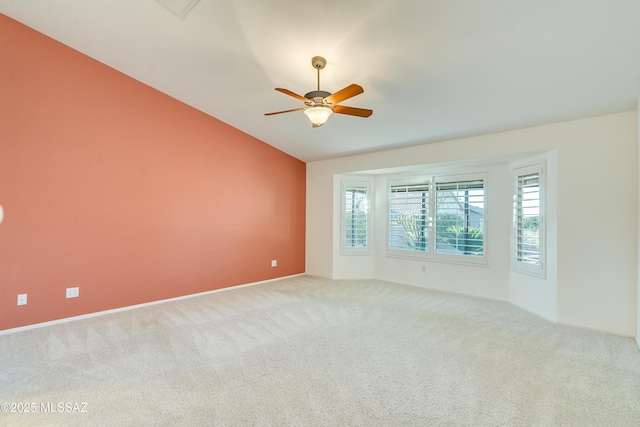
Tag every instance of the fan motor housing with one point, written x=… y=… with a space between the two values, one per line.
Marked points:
x=317 y=94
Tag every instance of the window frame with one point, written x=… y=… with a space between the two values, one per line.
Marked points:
x=539 y=269
x=345 y=249
x=430 y=253
x=408 y=182
x=460 y=178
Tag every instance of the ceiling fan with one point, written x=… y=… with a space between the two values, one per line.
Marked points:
x=321 y=104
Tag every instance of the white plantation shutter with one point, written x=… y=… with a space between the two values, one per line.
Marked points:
x=355 y=221
x=409 y=217
x=459 y=215
x=527 y=219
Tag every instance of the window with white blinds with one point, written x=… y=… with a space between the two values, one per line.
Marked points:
x=355 y=235
x=528 y=220
x=409 y=217
x=439 y=218
x=459 y=224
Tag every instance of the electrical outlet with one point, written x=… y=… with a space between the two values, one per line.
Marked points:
x=73 y=292
x=22 y=299
x=274 y=263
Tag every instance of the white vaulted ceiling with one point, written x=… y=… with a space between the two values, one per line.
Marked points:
x=432 y=70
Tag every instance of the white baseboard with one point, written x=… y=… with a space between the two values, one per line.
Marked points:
x=133 y=307
x=535 y=312
x=603 y=330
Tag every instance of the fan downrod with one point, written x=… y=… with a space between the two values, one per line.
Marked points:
x=318 y=63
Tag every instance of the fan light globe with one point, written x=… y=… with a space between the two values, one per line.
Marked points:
x=318 y=115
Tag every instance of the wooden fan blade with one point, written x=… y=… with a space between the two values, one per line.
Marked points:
x=346 y=93
x=285 y=111
x=360 y=112
x=295 y=95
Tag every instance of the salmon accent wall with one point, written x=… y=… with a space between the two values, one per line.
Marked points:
x=127 y=193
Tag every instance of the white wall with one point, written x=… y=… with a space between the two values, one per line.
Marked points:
x=638 y=287
x=597 y=239
x=319 y=227
x=596 y=221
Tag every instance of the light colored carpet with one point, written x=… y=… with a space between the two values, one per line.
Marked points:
x=313 y=352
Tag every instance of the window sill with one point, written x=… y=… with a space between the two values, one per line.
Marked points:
x=440 y=258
